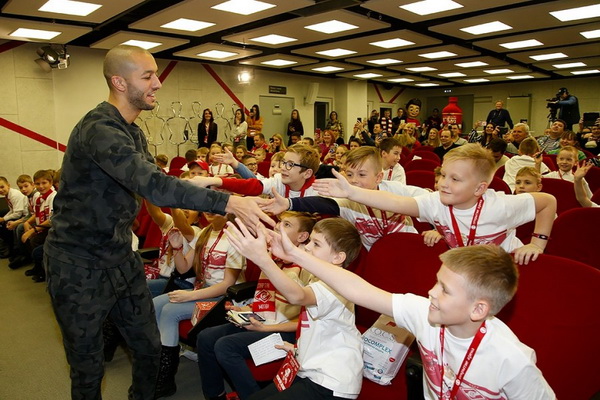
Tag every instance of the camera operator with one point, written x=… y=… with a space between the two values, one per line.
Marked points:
x=568 y=107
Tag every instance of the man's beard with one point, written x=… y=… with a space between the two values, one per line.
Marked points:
x=136 y=97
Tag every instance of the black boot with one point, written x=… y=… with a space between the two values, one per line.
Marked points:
x=112 y=338
x=169 y=362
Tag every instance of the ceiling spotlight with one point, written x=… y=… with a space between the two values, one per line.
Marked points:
x=53 y=56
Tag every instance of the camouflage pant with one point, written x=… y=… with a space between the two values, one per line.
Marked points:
x=82 y=298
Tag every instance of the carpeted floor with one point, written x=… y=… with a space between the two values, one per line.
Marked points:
x=32 y=360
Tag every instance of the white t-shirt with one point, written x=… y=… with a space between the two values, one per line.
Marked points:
x=173 y=238
x=219 y=257
x=500 y=215
x=396 y=174
x=514 y=164
x=275 y=182
x=17 y=205
x=502 y=368
x=330 y=346
x=568 y=176
x=220 y=170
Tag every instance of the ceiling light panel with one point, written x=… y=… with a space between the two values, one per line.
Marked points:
x=296 y=27
x=279 y=63
x=278 y=60
x=243 y=7
x=489 y=27
x=26 y=33
x=521 y=44
x=586 y=72
x=476 y=80
x=574 y=52
x=385 y=61
x=391 y=43
x=216 y=52
x=188 y=25
x=577 y=13
x=427 y=84
x=595 y=34
x=204 y=11
x=144 y=44
x=549 y=56
x=326 y=68
x=33 y=31
x=139 y=39
x=273 y=39
x=471 y=64
x=570 y=65
x=452 y=75
x=94 y=11
x=333 y=53
x=498 y=71
x=400 y=80
x=333 y=26
x=417 y=56
x=421 y=69
x=428 y=7
x=368 y=74
x=520 y=77
x=438 y=54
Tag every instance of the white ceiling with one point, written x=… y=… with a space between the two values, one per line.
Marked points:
x=371 y=21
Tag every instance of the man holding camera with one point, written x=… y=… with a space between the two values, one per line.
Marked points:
x=568 y=108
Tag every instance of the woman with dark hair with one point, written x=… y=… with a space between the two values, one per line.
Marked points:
x=207 y=129
x=335 y=124
x=294 y=126
x=240 y=127
x=255 y=125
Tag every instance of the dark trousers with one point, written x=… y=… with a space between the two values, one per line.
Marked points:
x=226 y=346
x=301 y=389
x=82 y=298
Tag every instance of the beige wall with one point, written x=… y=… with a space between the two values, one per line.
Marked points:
x=52 y=103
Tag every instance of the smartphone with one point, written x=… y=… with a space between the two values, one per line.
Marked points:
x=359 y=119
x=247 y=315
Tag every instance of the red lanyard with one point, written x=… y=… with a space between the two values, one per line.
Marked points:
x=206 y=255
x=381 y=227
x=466 y=363
x=308 y=183
x=560 y=175
x=301 y=318
x=474 y=222
x=390 y=173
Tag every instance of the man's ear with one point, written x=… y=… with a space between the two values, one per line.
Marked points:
x=480 y=310
x=118 y=83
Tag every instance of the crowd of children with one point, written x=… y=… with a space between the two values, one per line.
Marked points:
x=304 y=292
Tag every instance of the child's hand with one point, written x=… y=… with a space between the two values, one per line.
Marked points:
x=333 y=187
x=281 y=246
x=255 y=326
x=181 y=296
x=276 y=205
x=225 y=158
x=526 y=253
x=286 y=346
x=538 y=157
x=431 y=237
x=253 y=248
x=10 y=225
x=582 y=169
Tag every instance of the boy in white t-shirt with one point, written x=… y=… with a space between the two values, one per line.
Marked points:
x=529 y=156
x=463 y=210
x=329 y=347
x=391 y=149
x=566 y=159
x=473 y=284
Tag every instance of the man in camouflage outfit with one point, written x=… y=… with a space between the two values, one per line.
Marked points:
x=92 y=271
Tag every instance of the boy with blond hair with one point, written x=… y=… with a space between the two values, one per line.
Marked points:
x=528 y=180
x=329 y=347
x=529 y=156
x=391 y=149
x=466 y=351
x=463 y=210
x=20 y=254
x=363 y=168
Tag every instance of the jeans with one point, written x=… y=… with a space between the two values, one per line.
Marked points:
x=301 y=389
x=157 y=286
x=227 y=345
x=168 y=316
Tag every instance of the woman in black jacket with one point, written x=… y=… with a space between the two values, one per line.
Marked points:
x=207 y=129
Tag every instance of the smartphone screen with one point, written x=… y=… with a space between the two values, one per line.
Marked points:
x=248 y=315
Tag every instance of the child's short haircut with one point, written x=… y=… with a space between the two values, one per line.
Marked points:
x=306 y=220
x=191 y=155
x=489 y=271
x=247 y=157
x=24 y=179
x=201 y=152
x=437 y=171
x=497 y=145
x=357 y=157
x=3 y=179
x=162 y=158
x=260 y=135
x=530 y=171
x=310 y=140
x=353 y=139
x=405 y=140
x=388 y=144
x=529 y=147
x=482 y=159
x=56 y=176
x=342 y=236
x=308 y=156
x=259 y=150
x=278 y=156
x=570 y=149
x=44 y=174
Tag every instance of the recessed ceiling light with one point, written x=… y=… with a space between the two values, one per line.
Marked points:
x=422 y=69
x=368 y=75
x=437 y=54
x=522 y=44
x=336 y=52
x=328 y=68
x=589 y=71
x=399 y=80
x=332 y=26
x=549 y=56
x=279 y=62
x=477 y=80
x=427 y=84
x=498 y=71
x=392 y=43
x=472 y=64
x=427 y=7
x=243 y=7
x=570 y=65
x=217 y=54
x=34 y=34
x=595 y=34
x=520 y=77
x=452 y=75
x=142 y=43
x=385 y=61
x=489 y=27
x=273 y=39
x=573 y=14
x=69 y=7
x=184 y=24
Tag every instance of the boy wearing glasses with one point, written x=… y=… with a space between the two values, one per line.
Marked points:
x=297 y=175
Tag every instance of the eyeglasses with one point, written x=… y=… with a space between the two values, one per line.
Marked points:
x=290 y=164
x=252 y=164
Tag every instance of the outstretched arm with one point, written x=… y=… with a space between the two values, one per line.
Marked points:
x=374 y=198
x=578 y=182
x=545 y=208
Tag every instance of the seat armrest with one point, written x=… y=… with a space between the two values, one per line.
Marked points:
x=148 y=254
x=241 y=291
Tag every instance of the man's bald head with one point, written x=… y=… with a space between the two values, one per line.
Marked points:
x=120 y=61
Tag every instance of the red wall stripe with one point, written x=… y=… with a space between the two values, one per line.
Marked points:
x=226 y=88
x=10 y=45
x=167 y=71
x=397 y=94
x=32 y=135
x=379 y=93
